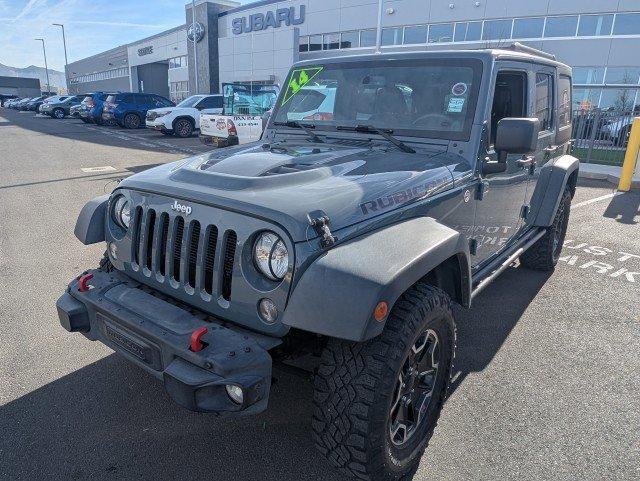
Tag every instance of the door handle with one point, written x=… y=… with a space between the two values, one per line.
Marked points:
x=551 y=148
x=525 y=162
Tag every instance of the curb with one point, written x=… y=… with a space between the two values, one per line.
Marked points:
x=606 y=173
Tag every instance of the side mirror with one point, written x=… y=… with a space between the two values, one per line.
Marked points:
x=516 y=136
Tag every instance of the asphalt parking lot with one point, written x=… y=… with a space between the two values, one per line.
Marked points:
x=547 y=372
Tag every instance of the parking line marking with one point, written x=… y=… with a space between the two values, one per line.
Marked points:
x=104 y=168
x=597 y=199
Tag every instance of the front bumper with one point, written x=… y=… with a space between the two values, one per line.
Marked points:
x=156 y=124
x=156 y=335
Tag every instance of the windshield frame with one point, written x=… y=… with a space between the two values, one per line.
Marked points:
x=475 y=64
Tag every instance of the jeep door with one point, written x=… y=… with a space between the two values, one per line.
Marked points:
x=500 y=207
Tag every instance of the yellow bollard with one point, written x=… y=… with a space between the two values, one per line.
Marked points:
x=631 y=157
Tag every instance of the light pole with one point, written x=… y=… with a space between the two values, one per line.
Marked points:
x=66 y=61
x=193 y=32
x=46 y=68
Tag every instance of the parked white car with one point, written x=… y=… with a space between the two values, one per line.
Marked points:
x=183 y=119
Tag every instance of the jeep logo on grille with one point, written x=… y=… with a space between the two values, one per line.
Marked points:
x=185 y=209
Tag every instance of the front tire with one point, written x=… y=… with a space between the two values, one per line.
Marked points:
x=58 y=114
x=131 y=121
x=183 y=128
x=375 y=408
x=544 y=254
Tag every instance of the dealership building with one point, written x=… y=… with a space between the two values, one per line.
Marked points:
x=259 y=41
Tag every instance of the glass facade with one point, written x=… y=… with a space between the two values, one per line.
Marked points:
x=104 y=75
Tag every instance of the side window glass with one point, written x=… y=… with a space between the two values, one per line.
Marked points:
x=544 y=100
x=564 y=101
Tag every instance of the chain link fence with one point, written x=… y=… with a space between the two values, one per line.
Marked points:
x=601 y=136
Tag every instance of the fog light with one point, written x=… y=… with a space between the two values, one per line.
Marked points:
x=113 y=250
x=268 y=311
x=235 y=393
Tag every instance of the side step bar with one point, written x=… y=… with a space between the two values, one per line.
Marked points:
x=495 y=268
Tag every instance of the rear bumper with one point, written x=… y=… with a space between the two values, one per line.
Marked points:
x=155 y=335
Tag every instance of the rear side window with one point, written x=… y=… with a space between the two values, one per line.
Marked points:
x=127 y=99
x=210 y=103
x=564 y=101
x=544 y=100
x=161 y=101
x=111 y=98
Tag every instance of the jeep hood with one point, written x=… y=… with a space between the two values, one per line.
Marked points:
x=285 y=183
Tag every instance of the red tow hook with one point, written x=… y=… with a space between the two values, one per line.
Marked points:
x=196 y=343
x=83 y=282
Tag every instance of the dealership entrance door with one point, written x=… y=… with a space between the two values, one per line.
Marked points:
x=152 y=78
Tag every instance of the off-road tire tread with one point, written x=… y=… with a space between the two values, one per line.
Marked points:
x=539 y=256
x=351 y=373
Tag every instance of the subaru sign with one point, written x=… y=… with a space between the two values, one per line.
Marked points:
x=195 y=32
x=274 y=19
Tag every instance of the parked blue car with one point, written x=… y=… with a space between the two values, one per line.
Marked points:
x=91 y=107
x=130 y=109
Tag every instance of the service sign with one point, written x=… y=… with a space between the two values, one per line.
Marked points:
x=272 y=19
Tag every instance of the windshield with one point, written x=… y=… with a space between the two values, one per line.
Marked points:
x=190 y=101
x=248 y=99
x=428 y=98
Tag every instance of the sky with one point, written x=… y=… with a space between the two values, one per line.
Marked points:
x=91 y=26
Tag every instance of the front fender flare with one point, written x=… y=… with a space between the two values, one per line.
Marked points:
x=337 y=294
x=552 y=181
x=90 y=224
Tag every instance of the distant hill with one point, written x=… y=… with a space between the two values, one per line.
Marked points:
x=55 y=77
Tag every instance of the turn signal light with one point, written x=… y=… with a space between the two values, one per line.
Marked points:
x=381 y=311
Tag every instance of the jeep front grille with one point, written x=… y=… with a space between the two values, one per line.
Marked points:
x=181 y=253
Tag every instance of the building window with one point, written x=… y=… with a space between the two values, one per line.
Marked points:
x=620 y=100
x=349 y=39
x=588 y=75
x=561 y=26
x=586 y=99
x=622 y=75
x=368 y=38
x=595 y=25
x=178 y=62
x=544 y=100
x=391 y=36
x=627 y=24
x=178 y=91
x=441 y=33
x=331 y=41
x=303 y=43
x=496 y=30
x=528 y=27
x=468 y=31
x=315 y=43
x=416 y=34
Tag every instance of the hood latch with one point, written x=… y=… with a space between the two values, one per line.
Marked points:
x=321 y=226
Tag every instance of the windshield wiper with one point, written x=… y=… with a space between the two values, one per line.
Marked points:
x=385 y=133
x=294 y=124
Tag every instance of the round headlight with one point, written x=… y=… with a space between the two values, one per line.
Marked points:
x=271 y=256
x=122 y=212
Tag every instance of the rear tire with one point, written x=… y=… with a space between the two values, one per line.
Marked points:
x=365 y=393
x=131 y=121
x=58 y=114
x=183 y=128
x=544 y=254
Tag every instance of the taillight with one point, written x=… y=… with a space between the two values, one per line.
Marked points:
x=231 y=128
x=326 y=116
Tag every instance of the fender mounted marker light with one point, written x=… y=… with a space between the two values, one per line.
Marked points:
x=381 y=311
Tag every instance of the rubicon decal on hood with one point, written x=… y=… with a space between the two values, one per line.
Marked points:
x=419 y=191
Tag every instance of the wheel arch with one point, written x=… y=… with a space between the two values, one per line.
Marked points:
x=337 y=294
x=554 y=177
x=183 y=117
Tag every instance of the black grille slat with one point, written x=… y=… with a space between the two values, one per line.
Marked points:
x=149 y=229
x=177 y=248
x=209 y=258
x=135 y=242
x=162 y=244
x=194 y=240
x=227 y=267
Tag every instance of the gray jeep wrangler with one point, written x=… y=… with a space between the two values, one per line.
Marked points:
x=385 y=188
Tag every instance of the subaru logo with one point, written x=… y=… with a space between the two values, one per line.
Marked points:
x=178 y=207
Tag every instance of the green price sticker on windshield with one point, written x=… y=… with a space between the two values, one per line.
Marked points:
x=299 y=78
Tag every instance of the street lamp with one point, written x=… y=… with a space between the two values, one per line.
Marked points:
x=193 y=30
x=46 y=67
x=66 y=61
